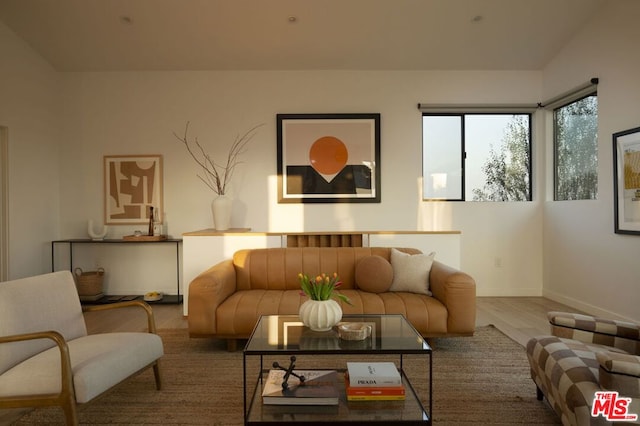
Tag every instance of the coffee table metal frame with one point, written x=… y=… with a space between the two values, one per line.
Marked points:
x=272 y=337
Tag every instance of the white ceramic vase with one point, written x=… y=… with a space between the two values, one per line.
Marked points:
x=320 y=315
x=96 y=236
x=221 y=210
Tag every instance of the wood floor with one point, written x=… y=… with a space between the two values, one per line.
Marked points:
x=518 y=317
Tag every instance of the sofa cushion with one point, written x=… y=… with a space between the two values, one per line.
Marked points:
x=240 y=312
x=412 y=306
x=411 y=272
x=374 y=274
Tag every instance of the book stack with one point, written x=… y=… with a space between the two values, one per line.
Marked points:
x=320 y=387
x=373 y=381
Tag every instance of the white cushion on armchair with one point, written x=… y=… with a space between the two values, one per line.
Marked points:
x=99 y=362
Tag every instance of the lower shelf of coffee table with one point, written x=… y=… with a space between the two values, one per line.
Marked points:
x=410 y=411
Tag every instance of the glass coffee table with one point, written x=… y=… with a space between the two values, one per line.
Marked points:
x=284 y=335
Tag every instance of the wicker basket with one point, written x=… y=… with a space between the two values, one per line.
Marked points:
x=89 y=283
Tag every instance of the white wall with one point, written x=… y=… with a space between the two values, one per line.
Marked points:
x=29 y=109
x=586 y=264
x=136 y=113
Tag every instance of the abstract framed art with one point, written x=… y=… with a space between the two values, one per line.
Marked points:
x=132 y=184
x=626 y=181
x=328 y=158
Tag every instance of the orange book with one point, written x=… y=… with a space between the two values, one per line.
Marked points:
x=370 y=393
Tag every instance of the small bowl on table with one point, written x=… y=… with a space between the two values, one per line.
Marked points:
x=354 y=330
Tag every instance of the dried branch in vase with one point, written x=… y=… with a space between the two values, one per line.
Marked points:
x=216 y=175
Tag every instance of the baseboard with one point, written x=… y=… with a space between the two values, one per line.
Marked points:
x=584 y=307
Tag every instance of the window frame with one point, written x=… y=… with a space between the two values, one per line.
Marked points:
x=462 y=159
x=562 y=104
x=475 y=111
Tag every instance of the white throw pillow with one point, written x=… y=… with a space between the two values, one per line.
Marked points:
x=411 y=272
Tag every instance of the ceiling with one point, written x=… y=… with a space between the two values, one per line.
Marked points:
x=123 y=35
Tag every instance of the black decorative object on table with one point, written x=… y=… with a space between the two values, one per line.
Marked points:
x=289 y=372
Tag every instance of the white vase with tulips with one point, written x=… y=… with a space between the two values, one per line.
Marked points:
x=321 y=312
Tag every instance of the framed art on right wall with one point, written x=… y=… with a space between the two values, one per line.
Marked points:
x=626 y=181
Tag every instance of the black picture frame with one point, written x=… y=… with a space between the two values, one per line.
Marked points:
x=328 y=158
x=626 y=181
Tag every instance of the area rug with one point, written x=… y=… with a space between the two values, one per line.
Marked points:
x=482 y=379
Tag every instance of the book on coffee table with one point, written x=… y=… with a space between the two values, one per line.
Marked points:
x=320 y=387
x=371 y=393
x=373 y=374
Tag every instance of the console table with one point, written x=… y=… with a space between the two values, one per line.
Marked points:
x=168 y=298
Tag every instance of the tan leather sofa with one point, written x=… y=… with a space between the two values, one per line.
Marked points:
x=227 y=300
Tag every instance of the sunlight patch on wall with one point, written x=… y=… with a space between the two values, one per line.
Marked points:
x=433 y=215
x=282 y=217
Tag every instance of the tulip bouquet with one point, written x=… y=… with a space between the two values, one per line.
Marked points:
x=322 y=287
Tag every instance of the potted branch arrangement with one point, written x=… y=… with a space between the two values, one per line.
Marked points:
x=217 y=175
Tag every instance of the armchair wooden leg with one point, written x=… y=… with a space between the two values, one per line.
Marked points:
x=539 y=394
x=70 y=412
x=156 y=373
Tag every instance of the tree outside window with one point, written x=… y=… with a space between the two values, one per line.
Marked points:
x=492 y=153
x=576 y=150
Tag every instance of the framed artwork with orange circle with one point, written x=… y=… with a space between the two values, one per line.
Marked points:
x=328 y=158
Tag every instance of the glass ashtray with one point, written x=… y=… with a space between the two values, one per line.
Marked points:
x=354 y=330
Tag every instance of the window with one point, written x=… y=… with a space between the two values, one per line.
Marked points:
x=575 y=128
x=476 y=156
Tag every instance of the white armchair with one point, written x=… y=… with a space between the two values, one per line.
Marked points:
x=46 y=356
